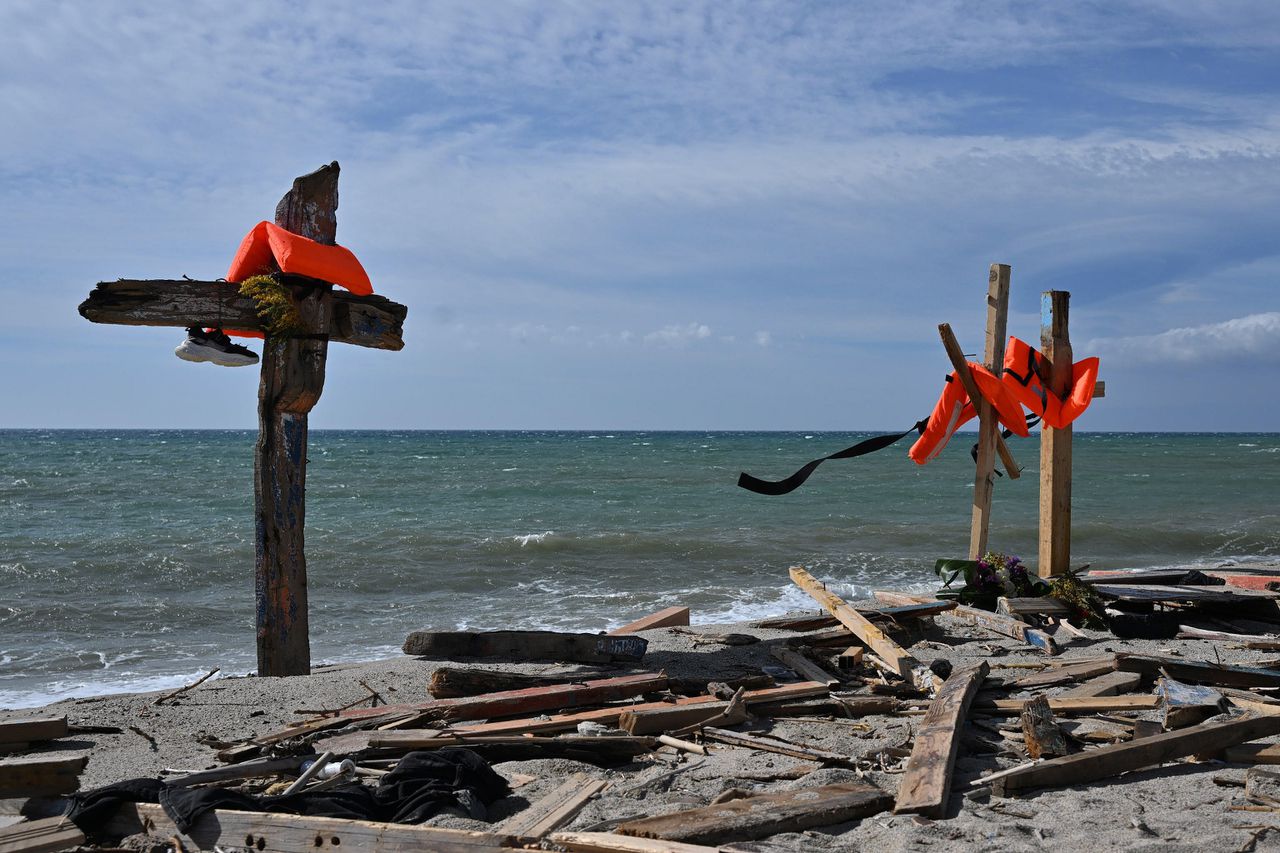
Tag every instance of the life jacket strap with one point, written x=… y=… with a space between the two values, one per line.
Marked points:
x=796 y=480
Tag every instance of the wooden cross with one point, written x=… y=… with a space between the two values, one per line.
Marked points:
x=291 y=382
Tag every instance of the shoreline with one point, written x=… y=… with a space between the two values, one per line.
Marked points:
x=1180 y=806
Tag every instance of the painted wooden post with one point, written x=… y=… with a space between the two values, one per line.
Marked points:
x=1055 y=444
x=291 y=384
x=988 y=425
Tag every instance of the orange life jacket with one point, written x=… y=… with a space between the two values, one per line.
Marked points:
x=954 y=409
x=1023 y=367
x=269 y=248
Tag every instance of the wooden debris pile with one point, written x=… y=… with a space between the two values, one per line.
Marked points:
x=1065 y=719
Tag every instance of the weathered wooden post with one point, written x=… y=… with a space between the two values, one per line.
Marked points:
x=1055 y=444
x=988 y=425
x=291 y=382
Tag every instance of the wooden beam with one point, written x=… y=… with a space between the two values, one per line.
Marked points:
x=514 y=646
x=764 y=815
x=1041 y=733
x=47 y=835
x=898 y=659
x=18 y=733
x=1068 y=672
x=927 y=782
x=40 y=775
x=608 y=842
x=288 y=833
x=553 y=810
x=1108 y=684
x=775 y=746
x=1120 y=758
x=648 y=721
x=449 y=682
x=1191 y=594
x=662 y=619
x=892 y=614
x=956 y=355
x=988 y=424
x=364 y=321
x=1055 y=444
x=1072 y=705
x=803 y=667
x=291 y=383
x=1199 y=671
x=1044 y=605
x=991 y=621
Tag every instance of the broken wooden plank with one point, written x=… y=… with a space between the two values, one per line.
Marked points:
x=1137 y=754
x=1154 y=593
x=1041 y=733
x=40 y=775
x=1198 y=672
x=803 y=667
x=613 y=749
x=899 y=660
x=927 y=783
x=555 y=809
x=1109 y=684
x=778 y=747
x=1044 y=605
x=531 y=700
x=1252 y=753
x=608 y=842
x=287 y=833
x=1184 y=705
x=1268 y=642
x=19 y=732
x=892 y=613
x=526 y=645
x=449 y=682
x=1072 y=705
x=47 y=835
x=367 y=321
x=1068 y=672
x=662 y=619
x=850 y=659
x=764 y=815
x=659 y=720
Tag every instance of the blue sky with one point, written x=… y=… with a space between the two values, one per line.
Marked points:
x=655 y=215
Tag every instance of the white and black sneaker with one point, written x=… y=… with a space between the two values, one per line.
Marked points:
x=214 y=346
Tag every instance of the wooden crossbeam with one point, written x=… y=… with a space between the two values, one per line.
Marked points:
x=365 y=321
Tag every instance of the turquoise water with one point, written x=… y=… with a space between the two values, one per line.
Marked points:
x=126 y=557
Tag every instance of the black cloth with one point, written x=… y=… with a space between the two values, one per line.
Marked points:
x=796 y=480
x=422 y=784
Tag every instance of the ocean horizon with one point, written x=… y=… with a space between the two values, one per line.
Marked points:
x=126 y=555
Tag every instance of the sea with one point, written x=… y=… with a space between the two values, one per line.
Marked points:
x=127 y=557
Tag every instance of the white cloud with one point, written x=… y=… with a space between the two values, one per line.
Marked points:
x=1253 y=336
x=679 y=335
x=763 y=338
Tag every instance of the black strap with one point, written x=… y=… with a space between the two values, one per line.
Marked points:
x=1006 y=434
x=796 y=480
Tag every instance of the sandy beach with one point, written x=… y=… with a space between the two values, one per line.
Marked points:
x=1183 y=805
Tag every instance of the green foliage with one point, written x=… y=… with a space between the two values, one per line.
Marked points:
x=987 y=579
x=274 y=304
x=1081 y=597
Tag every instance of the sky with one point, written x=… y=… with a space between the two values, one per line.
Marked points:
x=654 y=215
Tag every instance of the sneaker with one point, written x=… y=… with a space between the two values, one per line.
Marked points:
x=214 y=346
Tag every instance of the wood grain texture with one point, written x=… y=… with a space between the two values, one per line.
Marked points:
x=926 y=785
x=46 y=835
x=988 y=425
x=366 y=321
x=515 y=646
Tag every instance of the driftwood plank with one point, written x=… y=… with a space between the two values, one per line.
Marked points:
x=894 y=614
x=1252 y=753
x=991 y=621
x=1199 y=672
x=40 y=775
x=927 y=782
x=1108 y=684
x=366 y=321
x=531 y=700
x=1068 y=672
x=46 y=835
x=1044 y=605
x=670 y=719
x=1072 y=705
x=897 y=658
x=1137 y=754
x=1196 y=594
x=526 y=645
x=449 y=682
x=32 y=729
x=764 y=815
x=608 y=842
x=802 y=666
x=662 y=619
x=288 y=833
x=553 y=810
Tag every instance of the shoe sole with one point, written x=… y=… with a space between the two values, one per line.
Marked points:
x=202 y=354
